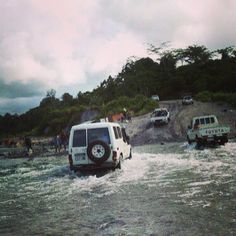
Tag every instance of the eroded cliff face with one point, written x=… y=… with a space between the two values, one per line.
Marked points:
x=89 y=115
x=142 y=132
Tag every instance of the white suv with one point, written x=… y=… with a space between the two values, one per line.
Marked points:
x=98 y=146
x=160 y=116
x=187 y=100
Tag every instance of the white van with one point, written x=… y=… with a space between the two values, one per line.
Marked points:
x=98 y=146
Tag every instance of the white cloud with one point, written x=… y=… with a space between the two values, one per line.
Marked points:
x=61 y=44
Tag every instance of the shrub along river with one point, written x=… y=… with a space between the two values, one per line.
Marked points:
x=169 y=189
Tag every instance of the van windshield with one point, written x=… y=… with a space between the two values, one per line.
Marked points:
x=99 y=134
x=160 y=113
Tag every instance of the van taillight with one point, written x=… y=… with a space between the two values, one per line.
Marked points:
x=70 y=161
x=114 y=156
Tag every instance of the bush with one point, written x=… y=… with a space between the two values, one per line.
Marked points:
x=207 y=96
x=204 y=96
x=138 y=105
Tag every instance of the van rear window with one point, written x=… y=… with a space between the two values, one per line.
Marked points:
x=79 y=138
x=99 y=134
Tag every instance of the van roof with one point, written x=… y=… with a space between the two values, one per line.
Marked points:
x=199 y=117
x=161 y=109
x=95 y=125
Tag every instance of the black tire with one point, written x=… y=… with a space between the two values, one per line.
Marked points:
x=119 y=165
x=99 y=147
x=120 y=162
x=198 y=142
x=224 y=140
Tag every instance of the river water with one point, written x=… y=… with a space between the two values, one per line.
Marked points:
x=169 y=189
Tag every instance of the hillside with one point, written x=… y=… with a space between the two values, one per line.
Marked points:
x=142 y=132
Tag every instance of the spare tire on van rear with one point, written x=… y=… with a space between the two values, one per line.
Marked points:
x=98 y=151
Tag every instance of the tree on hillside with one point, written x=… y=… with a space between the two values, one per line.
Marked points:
x=67 y=99
x=51 y=93
x=226 y=53
x=50 y=100
x=166 y=57
x=196 y=54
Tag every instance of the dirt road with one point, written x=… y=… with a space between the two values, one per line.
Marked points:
x=142 y=132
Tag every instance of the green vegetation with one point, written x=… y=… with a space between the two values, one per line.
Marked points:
x=207 y=96
x=209 y=76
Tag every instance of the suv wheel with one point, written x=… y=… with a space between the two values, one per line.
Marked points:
x=98 y=151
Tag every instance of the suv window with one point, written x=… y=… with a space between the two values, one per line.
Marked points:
x=202 y=121
x=79 y=138
x=116 y=133
x=98 y=134
x=119 y=132
x=197 y=122
x=207 y=120
x=212 y=120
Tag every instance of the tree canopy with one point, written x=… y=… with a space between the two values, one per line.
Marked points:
x=174 y=72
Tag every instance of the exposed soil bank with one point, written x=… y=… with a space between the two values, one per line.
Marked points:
x=142 y=132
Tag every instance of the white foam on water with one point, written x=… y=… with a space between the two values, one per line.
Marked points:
x=200 y=183
x=138 y=169
x=143 y=168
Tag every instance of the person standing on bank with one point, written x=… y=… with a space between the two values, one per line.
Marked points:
x=28 y=145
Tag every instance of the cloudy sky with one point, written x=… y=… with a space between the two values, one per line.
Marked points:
x=73 y=45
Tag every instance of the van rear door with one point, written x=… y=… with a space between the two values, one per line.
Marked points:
x=79 y=147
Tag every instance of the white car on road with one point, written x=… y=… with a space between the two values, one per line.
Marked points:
x=160 y=116
x=187 y=100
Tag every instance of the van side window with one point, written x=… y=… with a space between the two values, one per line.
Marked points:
x=79 y=138
x=212 y=120
x=207 y=120
x=119 y=132
x=125 y=136
x=115 y=132
x=202 y=121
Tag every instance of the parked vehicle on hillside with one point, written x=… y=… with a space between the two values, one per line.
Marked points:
x=98 y=146
x=206 y=129
x=187 y=100
x=160 y=116
x=155 y=98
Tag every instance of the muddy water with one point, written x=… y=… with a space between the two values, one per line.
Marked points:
x=169 y=189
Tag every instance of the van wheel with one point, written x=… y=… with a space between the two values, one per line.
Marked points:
x=199 y=142
x=119 y=165
x=98 y=151
x=120 y=162
x=224 y=140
